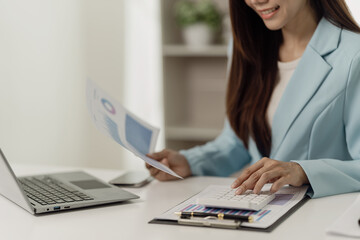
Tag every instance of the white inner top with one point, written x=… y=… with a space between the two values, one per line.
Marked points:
x=286 y=70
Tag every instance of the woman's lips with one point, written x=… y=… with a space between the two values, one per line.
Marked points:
x=268 y=13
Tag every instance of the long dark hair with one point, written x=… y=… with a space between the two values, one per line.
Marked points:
x=254 y=68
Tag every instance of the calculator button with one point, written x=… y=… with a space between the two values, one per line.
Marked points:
x=220 y=198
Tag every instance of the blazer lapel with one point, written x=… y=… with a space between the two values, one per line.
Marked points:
x=311 y=71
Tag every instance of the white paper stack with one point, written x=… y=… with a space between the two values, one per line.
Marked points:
x=347 y=224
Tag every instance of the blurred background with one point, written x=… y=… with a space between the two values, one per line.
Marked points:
x=165 y=60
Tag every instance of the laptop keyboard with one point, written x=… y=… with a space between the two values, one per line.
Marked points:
x=46 y=191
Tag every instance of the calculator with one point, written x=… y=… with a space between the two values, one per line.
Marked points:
x=224 y=197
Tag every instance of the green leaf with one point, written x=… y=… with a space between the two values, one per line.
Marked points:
x=188 y=12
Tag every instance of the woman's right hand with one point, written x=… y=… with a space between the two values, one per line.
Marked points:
x=172 y=159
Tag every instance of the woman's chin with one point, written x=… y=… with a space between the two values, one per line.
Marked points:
x=273 y=25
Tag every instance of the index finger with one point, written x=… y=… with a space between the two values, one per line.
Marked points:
x=265 y=178
x=247 y=173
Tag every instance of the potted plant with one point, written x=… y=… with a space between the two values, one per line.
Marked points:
x=199 y=20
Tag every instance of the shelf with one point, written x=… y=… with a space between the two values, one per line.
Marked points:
x=188 y=51
x=194 y=83
x=192 y=134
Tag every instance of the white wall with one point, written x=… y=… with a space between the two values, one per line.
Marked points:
x=123 y=56
x=142 y=83
x=104 y=33
x=41 y=80
x=47 y=50
x=354 y=6
x=143 y=71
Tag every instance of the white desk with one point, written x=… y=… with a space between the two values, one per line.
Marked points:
x=130 y=221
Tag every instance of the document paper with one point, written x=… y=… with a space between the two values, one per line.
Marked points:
x=285 y=199
x=112 y=119
x=347 y=224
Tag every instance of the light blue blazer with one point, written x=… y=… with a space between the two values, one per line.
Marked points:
x=317 y=123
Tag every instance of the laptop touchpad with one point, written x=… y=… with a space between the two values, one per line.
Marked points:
x=89 y=184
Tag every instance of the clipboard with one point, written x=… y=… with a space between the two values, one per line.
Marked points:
x=302 y=198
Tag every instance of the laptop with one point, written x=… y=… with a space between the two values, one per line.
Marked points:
x=57 y=192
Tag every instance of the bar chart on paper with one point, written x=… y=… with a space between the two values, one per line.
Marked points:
x=199 y=208
x=285 y=199
x=280 y=200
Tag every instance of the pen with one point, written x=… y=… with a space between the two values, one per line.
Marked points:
x=220 y=216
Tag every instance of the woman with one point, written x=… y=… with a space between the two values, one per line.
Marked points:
x=293 y=101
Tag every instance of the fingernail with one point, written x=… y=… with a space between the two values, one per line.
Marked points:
x=239 y=191
x=233 y=185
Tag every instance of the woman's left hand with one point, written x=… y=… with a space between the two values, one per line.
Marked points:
x=270 y=171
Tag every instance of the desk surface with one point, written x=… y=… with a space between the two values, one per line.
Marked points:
x=130 y=220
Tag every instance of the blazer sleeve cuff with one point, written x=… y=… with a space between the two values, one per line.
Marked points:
x=194 y=157
x=330 y=177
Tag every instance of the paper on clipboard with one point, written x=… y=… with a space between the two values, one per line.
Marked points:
x=128 y=130
x=286 y=198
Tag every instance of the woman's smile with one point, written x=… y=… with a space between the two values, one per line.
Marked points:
x=268 y=13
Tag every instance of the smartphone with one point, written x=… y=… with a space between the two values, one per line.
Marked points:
x=132 y=179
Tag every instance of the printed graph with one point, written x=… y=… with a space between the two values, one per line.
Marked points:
x=112 y=129
x=199 y=208
x=137 y=135
x=280 y=200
